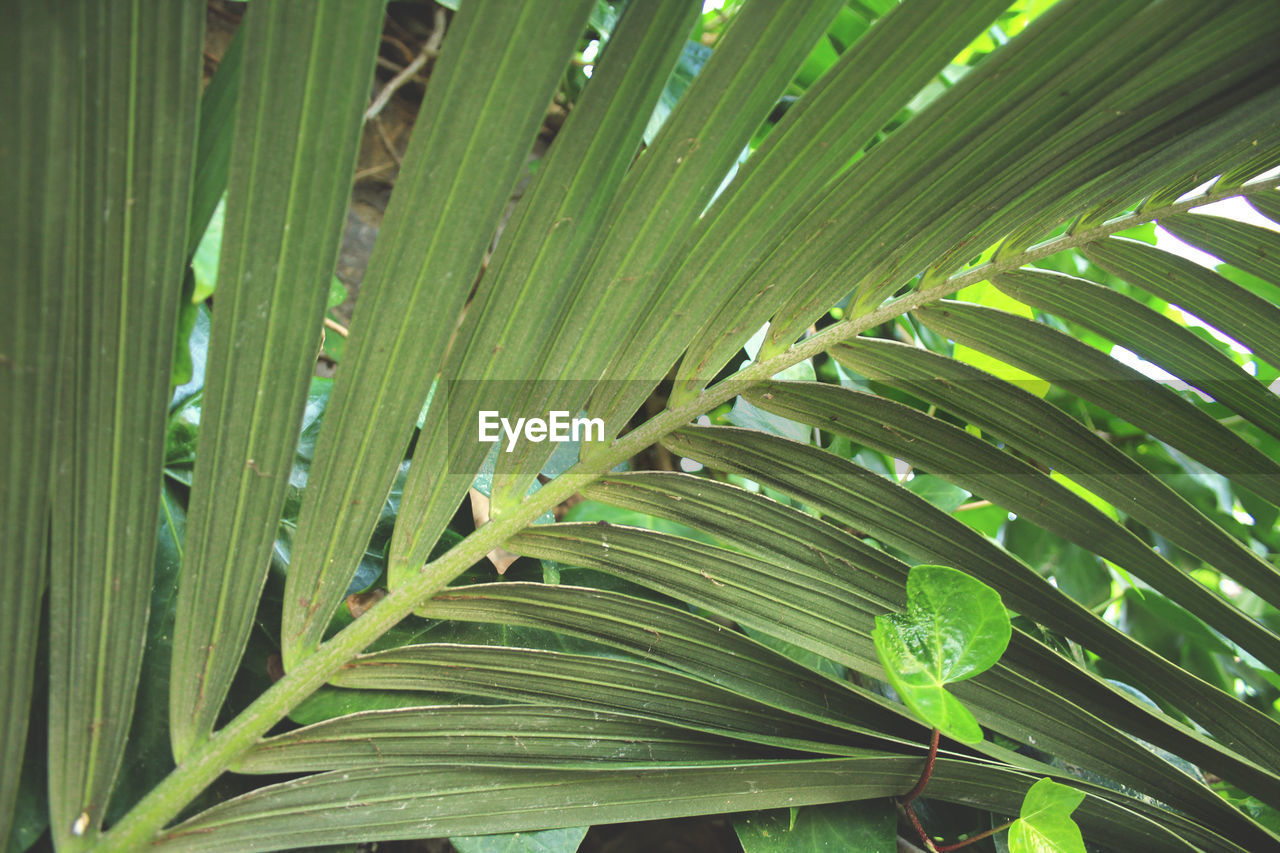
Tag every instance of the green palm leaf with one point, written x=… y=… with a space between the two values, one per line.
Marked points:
x=119 y=317
x=408 y=802
x=417 y=283
x=934 y=153
x=280 y=242
x=934 y=445
x=30 y=328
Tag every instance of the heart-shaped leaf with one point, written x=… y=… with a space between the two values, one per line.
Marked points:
x=1045 y=824
x=954 y=628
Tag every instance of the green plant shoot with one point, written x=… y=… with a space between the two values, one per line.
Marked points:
x=955 y=627
x=1044 y=824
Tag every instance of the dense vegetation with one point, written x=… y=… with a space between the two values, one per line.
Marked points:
x=873 y=286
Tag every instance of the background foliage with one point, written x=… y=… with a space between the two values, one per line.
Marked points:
x=855 y=286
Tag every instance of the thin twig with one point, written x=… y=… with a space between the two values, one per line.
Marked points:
x=395 y=42
x=405 y=75
x=947 y=848
x=373 y=170
x=383 y=62
x=336 y=326
x=430 y=49
x=386 y=140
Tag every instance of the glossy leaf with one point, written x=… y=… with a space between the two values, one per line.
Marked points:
x=869 y=826
x=543 y=841
x=1044 y=824
x=954 y=628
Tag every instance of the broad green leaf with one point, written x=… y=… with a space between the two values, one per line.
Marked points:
x=1044 y=824
x=462 y=162
x=937 y=492
x=954 y=628
x=1077 y=572
x=543 y=841
x=693 y=55
x=329 y=703
x=208 y=255
x=205 y=259
x=590 y=510
x=305 y=80
x=136 y=87
x=869 y=826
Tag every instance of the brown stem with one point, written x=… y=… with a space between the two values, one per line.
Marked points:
x=915 y=821
x=927 y=772
x=945 y=848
